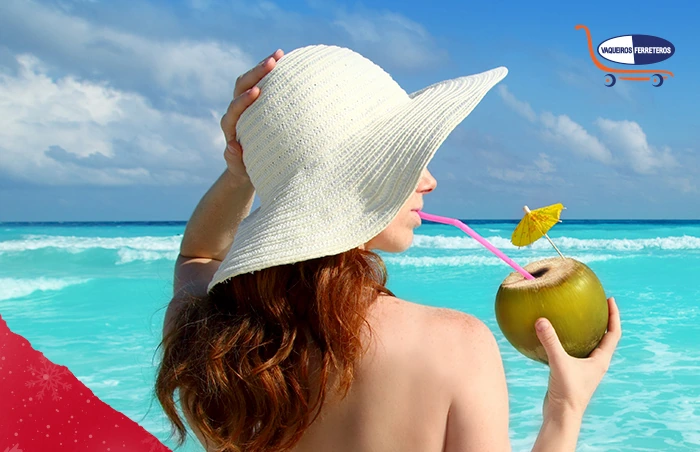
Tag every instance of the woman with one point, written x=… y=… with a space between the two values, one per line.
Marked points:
x=301 y=346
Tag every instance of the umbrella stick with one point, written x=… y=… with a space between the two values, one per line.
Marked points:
x=528 y=212
x=555 y=247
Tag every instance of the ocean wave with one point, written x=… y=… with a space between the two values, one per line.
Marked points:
x=129 y=249
x=127 y=255
x=477 y=261
x=16 y=288
x=153 y=248
x=456 y=261
x=75 y=244
x=96 y=381
x=685 y=242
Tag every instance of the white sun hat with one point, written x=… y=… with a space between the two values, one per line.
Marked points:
x=334 y=148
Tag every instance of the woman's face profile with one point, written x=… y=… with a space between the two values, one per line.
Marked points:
x=398 y=236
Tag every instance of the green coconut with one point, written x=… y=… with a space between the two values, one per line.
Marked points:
x=566 y=292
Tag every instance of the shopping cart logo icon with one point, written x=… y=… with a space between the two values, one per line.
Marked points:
x=632 y=50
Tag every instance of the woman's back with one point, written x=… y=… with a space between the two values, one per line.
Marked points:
x=404 y=385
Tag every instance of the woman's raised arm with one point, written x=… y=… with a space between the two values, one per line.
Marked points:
x=211 y=228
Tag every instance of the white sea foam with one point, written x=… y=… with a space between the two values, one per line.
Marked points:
x=428 y=261
x=129 y=249
x=127 y=255
x=477 y=261
x=16 y=288
x=75 y=244
x=96 y=380
x=685 y=242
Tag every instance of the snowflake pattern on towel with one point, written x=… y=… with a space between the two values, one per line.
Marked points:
x=45 y=407
x=47 y=377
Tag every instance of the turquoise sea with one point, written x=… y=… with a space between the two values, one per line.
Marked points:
x=91 y=296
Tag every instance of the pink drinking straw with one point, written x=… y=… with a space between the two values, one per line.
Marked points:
x=478 y=238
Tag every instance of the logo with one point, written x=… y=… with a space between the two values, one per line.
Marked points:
x=632 y=50
x=636 y=49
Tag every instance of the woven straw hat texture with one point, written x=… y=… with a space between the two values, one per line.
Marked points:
x=334 y=147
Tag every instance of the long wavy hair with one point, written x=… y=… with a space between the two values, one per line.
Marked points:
x=255 y=359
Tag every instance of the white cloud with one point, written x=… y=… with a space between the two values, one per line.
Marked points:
x=64 y=130
x=683 y=184
x=543 y=163
x=522 y=108
x=539 y=171
x=183 y=68
x=81 y=113
x=390 y=37
x=563 y=130
x=507 y=174
x=628 y=137
x=559 y=129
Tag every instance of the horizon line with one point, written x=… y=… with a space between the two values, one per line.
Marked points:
x=501 y=220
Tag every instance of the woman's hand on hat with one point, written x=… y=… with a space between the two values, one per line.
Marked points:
x=244 y=94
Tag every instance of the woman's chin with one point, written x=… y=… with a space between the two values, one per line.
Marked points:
x=404 y=244
x=395 y=244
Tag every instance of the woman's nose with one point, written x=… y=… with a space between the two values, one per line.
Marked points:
x=427 y=182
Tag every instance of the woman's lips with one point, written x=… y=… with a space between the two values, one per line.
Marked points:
x=420 y=220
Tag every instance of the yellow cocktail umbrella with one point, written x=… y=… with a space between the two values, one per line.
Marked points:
x=535 y=224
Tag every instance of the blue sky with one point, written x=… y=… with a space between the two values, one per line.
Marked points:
x=109 y=110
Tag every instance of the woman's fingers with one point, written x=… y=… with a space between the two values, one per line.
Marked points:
x=235 y=108
x=550 y=341
x=245 y=93
x=608 y=344
x=253 y=76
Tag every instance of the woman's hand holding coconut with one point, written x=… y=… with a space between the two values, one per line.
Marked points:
x=572 y=381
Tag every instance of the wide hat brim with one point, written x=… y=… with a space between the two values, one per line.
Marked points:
x=385 y=160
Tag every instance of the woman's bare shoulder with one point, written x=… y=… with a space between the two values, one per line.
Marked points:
x=450 y=361
x=445 y=319
x=438 y=331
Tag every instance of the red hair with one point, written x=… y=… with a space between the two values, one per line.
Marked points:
x=242 y=356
